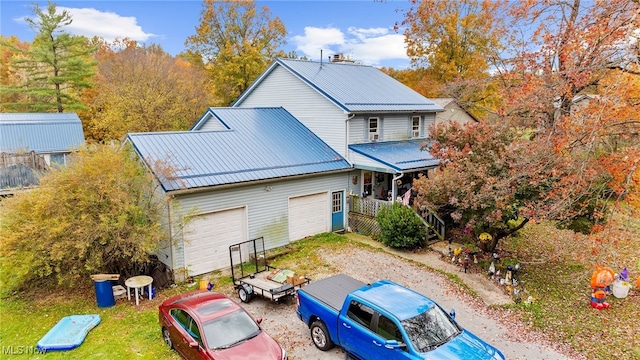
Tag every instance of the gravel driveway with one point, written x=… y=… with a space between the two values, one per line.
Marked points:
x=496 y=326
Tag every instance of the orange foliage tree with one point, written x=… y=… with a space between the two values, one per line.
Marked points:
x=143 y=89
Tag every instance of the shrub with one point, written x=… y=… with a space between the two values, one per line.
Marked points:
x=401 y=227
x=100 y=213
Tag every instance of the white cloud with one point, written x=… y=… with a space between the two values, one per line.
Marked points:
x=371 y=46
x=316 y=39
x=107 y=25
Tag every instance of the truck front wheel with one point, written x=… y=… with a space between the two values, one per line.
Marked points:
x=320 y=336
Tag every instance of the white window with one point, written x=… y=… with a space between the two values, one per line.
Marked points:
x=374 y=134
x=416 y=125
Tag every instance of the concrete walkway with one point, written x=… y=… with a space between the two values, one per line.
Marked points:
x=490 y=292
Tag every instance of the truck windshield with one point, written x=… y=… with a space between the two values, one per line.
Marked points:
x=430 y=329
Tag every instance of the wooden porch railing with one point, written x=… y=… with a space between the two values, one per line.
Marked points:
x=370 y=207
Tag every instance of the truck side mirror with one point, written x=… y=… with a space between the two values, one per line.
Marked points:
x=453 y=313
x=394 y=344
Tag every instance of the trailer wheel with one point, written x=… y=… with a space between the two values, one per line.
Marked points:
x=245 y=293
x=320 y=336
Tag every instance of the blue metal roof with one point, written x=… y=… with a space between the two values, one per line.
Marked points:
x=40 y=132
x=405 y=305
x=399 y=155
x=260 y=143
x=353 y=87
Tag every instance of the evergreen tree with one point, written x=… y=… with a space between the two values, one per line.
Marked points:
x=56 y=67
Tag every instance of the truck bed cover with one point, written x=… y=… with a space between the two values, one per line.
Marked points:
x=333 y=290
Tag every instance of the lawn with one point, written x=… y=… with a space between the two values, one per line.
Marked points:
x=557 y=268
x=555 y=271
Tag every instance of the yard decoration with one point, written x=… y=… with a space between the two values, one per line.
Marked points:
x=601 y=281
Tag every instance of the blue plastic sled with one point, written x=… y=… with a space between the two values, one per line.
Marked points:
x=68 y=333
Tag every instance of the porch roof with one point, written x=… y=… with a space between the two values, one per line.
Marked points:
x=401 y=155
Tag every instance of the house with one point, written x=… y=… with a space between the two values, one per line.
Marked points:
x=239 y=174
x=453 y=111
x=378 y=124
x=31 y=142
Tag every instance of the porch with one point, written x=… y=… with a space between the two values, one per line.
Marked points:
x=363 y=211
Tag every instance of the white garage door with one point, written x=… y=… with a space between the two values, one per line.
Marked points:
x=308 y=215
x=207 y=239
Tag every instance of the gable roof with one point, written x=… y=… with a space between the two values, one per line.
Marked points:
x=399 y=155
x=255 y=144
x=352 y=87
x=40 y=132
x=444 y=102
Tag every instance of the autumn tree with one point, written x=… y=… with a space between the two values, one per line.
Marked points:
x=11 y=48
x=568 y=136
x=456 y=42
x=237 y=42
x=143 y=89
x=101 y=213
x=55 y=69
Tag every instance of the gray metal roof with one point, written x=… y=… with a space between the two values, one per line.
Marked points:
x=40 y=132
x=353 y=87
x=260 y=143
x=399 y=155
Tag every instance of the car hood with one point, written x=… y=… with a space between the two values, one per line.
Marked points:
x=465 y=346
x=261 y=347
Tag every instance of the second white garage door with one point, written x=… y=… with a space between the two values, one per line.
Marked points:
x=308 y=215
x=207 y=239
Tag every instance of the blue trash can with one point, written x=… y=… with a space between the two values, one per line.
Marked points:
x=104 y=293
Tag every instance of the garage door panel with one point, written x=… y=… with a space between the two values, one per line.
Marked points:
x=208 y=237
x=308 y=215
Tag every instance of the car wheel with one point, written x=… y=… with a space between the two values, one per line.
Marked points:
x=244 y=295
x=167 y=337
x=320 y=336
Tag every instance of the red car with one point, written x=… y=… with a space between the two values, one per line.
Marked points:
x=208 y=325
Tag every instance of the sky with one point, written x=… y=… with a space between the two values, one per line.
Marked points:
x=362 y=30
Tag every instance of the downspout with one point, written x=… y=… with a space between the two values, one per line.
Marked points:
x=346 y=138
x=171 y=242
x=394 y=185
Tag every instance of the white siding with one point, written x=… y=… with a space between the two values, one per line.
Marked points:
x=427 y=120
x=395 y=127
x=453 y=112
x=357 y=130
x=266 y=210
x=323 y=117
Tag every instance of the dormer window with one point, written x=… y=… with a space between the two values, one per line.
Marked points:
x=374 y=134
x=416 y=125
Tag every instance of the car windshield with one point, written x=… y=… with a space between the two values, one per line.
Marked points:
x=230 y=330
x=430 y=329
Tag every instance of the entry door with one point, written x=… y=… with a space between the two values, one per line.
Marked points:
x=337 y=210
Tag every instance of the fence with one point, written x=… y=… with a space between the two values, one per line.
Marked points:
x=363 y=211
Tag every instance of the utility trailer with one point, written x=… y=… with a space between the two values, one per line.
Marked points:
x=253 y=276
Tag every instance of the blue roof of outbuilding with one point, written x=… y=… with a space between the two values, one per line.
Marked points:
x=260 y=143
x=353 y=87
x=40 y=132
x=399 y=155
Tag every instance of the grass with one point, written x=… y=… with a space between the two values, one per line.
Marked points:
x=556 y=268
x=126 y=331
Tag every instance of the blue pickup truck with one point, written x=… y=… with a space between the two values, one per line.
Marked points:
x=384 y=320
